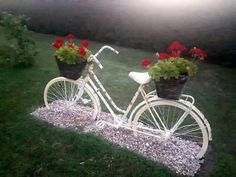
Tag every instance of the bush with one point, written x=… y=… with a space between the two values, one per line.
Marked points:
x=22 y=47
x=5 y=54
x=124 y=25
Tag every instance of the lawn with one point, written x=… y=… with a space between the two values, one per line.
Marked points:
x=33 y=148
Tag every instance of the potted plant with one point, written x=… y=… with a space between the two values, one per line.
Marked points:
x=71 y=58
x=171 y=71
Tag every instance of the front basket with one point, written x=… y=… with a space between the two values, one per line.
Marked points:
x=71 y=71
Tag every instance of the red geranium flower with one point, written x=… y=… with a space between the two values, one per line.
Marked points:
x=164 y=56
x=199 y=52
x=203 y=53
x=194 y=51
x=82 y=51
x=176 y=46
x=70 y=36
x=85 y=43
x=175 y=55
x=58 y=43
x=146 y=62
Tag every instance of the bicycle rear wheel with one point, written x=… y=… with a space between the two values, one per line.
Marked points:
x=68 y=92
x=166 y=118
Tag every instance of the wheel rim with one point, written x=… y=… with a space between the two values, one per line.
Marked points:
x=65 y=91
x=161 y=119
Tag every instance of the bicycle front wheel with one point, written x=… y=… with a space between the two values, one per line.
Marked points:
x=166 y=118
x=68 y=93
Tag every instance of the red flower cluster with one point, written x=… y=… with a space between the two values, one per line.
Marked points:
x=85 y=43
x=70 y=36
x=164 y=56
x=81 y=50
x=197 y=51
x=146 y=63
x=175 y=54
x=58 y=43
x=176 y=48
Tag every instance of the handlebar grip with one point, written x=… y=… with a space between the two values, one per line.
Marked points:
x=106 y=47
x=114 y=50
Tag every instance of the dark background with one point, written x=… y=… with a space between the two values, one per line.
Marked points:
x=143 y=24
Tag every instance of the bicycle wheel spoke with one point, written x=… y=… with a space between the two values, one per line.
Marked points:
x=186 y=126
x=177 y=117
x=179 y=121
x=65 y=92
x=58 y=90
x=190 y=131
x=168 y=112
x=146 y=120
x=158 y=119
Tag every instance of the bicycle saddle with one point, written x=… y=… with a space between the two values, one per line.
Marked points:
x=141 y=78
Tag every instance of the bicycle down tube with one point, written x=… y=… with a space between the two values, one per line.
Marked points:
x=98 y=92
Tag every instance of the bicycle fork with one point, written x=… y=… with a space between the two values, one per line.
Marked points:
x=80 y=93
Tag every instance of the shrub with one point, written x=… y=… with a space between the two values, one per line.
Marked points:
x=5 y=54
x=22 y=45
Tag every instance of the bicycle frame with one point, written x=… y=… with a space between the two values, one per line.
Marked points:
x=99 y=89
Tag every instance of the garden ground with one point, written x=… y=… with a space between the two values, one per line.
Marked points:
x=33 y=148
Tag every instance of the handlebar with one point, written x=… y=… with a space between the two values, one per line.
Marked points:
x=106 y=47
x=94 y=57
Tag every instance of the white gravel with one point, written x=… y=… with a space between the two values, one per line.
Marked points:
x=177 y=154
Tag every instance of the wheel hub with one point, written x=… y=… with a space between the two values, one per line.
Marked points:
x=167 y=134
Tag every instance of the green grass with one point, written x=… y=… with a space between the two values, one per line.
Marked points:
x=33 y=148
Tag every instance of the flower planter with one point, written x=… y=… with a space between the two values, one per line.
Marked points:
x=171 y=89
x=71 y=71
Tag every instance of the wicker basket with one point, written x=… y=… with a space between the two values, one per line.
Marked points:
x=171 y=89
x=71 y=71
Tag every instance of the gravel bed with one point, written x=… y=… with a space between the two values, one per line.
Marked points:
x=177 y=154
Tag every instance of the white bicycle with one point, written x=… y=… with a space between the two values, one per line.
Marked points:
x=154 y=116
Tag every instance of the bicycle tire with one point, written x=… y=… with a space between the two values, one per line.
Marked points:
x=169 y=112
x=66 y=90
